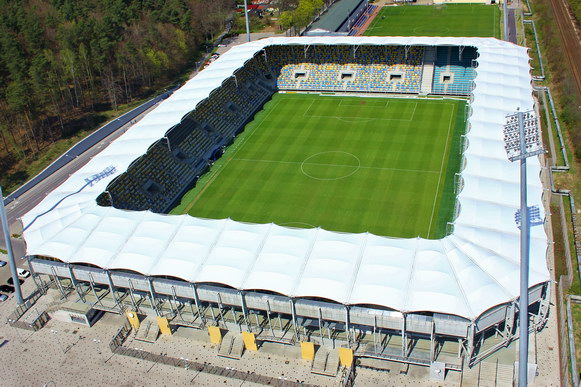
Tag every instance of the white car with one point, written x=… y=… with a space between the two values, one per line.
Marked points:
x=23 y=273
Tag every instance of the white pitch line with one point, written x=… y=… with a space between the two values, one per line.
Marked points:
x=334 y=165
x=309 y=108
x=441 y=168
x=236 y=148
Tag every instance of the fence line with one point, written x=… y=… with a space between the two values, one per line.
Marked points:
x=562 y=329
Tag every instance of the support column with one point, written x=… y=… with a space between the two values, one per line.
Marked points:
x=74 y=282
x=236 y=319
x=132 y=296
x=213 y=315
x=220 y=308
x=257 y=321
x=375 y=333
x=470 y=344
x=8 y=242
x=244 y=311
x=432 y=342
x=175 y=300
x=198 y=304
x=92 y=285
x=321 y=326
x=58 y=282
x=192 y=310
x=268 y=317
x=41 y=288
x=404 y=343
x=111 y=287
x=294 y=316
x=152 y=296
x=347 y=325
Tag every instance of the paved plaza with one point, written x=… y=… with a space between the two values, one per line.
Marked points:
x=65 y=354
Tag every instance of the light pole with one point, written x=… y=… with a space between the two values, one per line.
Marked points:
x=13 y=272
x=55 y=333
x=505 y=19
x=247 y=22
x=522 y=139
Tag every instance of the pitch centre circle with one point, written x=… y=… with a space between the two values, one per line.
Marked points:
x=330 y=165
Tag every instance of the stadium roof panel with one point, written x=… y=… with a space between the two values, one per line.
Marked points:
x=463 y=274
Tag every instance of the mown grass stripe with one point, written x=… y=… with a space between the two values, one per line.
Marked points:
x=260 y=178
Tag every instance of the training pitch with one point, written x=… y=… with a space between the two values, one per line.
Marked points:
x=464 y=20
x=351 y=164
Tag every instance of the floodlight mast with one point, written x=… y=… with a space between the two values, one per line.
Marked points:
x=11 y=262
x=522 y=140
x=247 y=22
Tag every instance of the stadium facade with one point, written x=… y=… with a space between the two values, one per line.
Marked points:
x=291 y=285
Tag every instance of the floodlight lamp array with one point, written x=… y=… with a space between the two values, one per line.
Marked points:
x=101 y=175
x=535 y=218
x=531 y=145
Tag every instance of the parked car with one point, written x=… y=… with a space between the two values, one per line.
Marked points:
x=6 y=288
x=3 y=297
x=10 y=282
x=23 y=273
x=2 y=263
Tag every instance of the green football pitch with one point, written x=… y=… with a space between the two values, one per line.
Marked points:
x=438 y=20
x=351 y=164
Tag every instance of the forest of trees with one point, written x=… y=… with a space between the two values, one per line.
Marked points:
x=301 y=14
x=64 y=61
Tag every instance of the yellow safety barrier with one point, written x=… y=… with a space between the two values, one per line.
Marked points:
x=163 y=325
x=133 y=319
x=346 y=357
x=249 y=341
x=215 y=335
x=307 y=350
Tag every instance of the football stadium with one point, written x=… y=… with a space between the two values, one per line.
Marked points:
x=350 y=194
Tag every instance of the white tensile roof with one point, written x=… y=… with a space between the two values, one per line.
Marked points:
x=464 y=274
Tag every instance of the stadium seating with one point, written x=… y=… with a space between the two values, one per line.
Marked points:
x=171 y=166
x=343 y=68
x=362 y=19
x=452 y=74
x=158 y=178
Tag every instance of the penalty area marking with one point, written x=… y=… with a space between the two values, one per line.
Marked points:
x=441 y=168
x=363 y=119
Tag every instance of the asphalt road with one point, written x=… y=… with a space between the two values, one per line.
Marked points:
x=511 y=26
x=27 y=201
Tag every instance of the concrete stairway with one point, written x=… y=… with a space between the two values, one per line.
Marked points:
x=148 y=331
x=428 y=70
x=487 y=375
x=504 y=375
x=232 y=346
x=326 y=362
x=470 y=376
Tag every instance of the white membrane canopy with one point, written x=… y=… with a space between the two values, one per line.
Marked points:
x=464 y=274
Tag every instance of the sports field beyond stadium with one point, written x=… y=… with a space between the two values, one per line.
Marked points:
x=351 y=164
x=463 y=20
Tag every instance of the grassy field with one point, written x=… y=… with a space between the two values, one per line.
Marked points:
x=349 y=164
x=438 y=20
